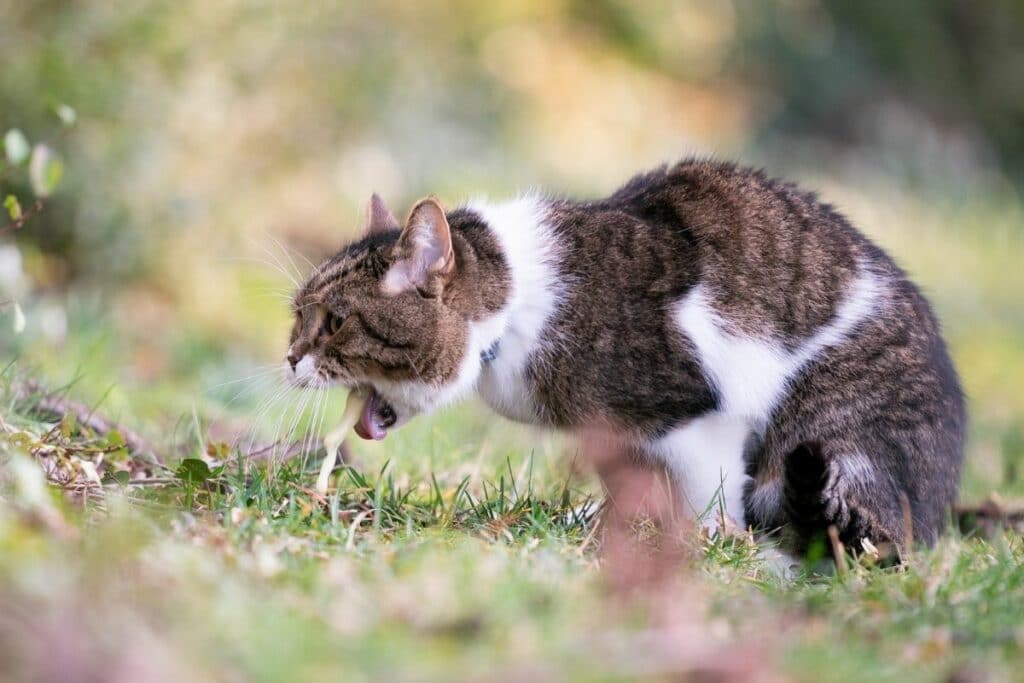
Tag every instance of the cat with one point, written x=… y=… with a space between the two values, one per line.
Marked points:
x=730 y=326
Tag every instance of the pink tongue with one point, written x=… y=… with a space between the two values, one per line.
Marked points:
x=367 y=427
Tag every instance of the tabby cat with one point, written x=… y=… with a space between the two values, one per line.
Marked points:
x=730 y=326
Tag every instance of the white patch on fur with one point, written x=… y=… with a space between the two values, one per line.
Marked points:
x=397 y=280
x=305 y=370
x=531 y=251
x=859 y=305
x=751 y=376
x=856 y=469
x=705 y=456
x=766 y=499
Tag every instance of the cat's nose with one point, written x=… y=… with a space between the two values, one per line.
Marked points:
x=293 y=360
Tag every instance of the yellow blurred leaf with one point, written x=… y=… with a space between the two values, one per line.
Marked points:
x=45 y=171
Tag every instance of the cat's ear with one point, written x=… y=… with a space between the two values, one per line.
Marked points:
x=424 y=259
x=378 y=218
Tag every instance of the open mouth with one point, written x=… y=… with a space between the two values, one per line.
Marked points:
x=376 y=417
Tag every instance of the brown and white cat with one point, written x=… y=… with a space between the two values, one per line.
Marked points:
x=728 y=325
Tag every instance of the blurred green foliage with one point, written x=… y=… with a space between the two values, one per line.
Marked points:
x=448 y=96
x=842 y=68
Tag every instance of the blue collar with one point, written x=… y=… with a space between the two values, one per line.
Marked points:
x=489 y=354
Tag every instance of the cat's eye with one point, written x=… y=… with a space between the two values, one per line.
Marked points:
x=333 y=323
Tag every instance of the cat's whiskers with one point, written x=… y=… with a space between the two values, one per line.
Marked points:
x=258 y=380
x=274 y=399
x=275 y=293
x=253 y=432
x=313 y=432
x=287 y=252
x=283 y=445
x=261 y=382
x=310 y=411
x=273 y=266
x=260 y=371
x=293 y=409
x=294 y=277
x=305 y=445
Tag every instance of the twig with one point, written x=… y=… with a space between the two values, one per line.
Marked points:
x=20 y=222
x=152 y=481
x=989 y=516
x=592 y=534
x=289 y=450
x=58 y=406
x=838 y=550
x=908 y=524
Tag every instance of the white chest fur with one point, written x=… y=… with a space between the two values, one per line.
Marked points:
x=532 y=254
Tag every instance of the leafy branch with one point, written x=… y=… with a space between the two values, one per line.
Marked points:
x=17 y=215
x=44 y=169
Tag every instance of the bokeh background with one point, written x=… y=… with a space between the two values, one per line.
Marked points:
x=219 y=142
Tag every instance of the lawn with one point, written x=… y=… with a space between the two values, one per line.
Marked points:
x=139 y=541
x=413 y=570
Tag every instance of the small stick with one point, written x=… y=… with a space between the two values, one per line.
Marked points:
x=838 y=550
x=594 y=530
x=908 y=524
x=61 y=405
x=19 y=223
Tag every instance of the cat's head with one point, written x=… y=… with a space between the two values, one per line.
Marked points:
x=385 y=314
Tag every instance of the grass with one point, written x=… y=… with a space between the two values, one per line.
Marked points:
x=462 y=547
x=243 y=572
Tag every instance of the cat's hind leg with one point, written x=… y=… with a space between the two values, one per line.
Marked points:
x=827 y=486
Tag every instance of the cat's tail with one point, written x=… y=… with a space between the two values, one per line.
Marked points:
x=815 y=497
x=803 y=495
